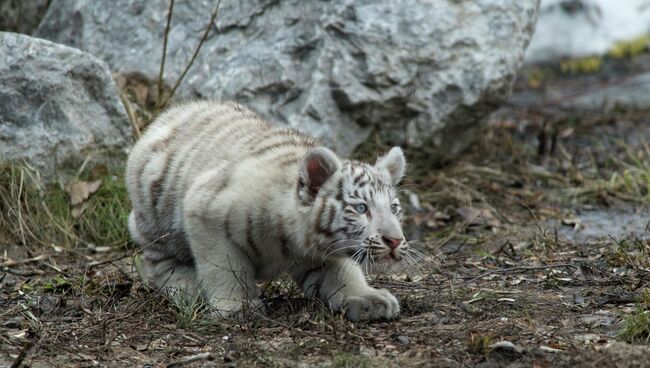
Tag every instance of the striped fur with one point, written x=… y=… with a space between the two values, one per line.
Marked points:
x=221 y=199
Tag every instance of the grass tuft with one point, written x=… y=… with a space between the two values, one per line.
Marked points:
x=348 y=360
x=189 y=308
x=636 y=326
x=479 y=343
x=32 y=213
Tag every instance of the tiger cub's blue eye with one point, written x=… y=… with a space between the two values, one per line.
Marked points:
x=394 y=207
x=360 y=208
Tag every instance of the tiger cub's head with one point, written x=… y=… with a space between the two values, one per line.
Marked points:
x=353 y=208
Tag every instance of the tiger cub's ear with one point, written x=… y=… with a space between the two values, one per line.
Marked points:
x=316 y=167
x=394 y=162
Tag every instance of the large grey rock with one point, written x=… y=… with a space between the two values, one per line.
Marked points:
x=421 y=72
x=579 y=28
x=58 y=105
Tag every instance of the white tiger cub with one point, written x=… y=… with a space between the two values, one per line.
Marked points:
x=222 y=199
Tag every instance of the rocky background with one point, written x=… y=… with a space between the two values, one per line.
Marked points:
x=418 y=74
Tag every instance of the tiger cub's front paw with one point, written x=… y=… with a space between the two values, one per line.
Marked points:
x=377 y=304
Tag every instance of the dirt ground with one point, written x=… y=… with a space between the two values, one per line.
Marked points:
x=535 y=247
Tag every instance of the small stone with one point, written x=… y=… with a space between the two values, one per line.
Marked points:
x=548 y=349
x=506 y=346
x=403 y=340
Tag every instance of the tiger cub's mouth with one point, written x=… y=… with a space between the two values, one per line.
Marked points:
x=390 y=257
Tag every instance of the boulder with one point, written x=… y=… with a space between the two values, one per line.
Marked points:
x=421 y=73
x=58 y=106
x=580 y=28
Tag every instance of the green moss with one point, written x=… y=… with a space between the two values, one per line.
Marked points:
x=581 y=65
x=349 y=360
x=630 y=48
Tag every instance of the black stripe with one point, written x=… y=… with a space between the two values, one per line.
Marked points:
x=283 y=238
x=226 y=226
x=167 y=198
x=288 y=161
x=250 y=239
x=330 y=221
x=156 y=188
x=319 y=217
x=349 y=220
x=339 y=195
x=358 y=178
x=285 y=143
x=273 y=133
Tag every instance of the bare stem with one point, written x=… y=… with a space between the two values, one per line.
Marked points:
x=213 y=16
x=164 y=54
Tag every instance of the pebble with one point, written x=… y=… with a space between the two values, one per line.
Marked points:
x=403 y=340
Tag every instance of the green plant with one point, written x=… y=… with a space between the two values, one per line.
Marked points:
x=479 y=343
x=349 y=360
x=636 y=326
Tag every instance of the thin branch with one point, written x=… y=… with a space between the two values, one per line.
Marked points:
x=131 y=115
x=190 y=359
x=213 y=16
x=23 y=273
x=164 y=53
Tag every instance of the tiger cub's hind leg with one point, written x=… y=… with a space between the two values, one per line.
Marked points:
x=168 y=275
x=165 y=272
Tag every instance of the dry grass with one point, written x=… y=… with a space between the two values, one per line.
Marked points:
x=636 y=326
x=34 y=214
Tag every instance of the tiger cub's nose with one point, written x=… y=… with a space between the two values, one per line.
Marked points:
x=392 y=243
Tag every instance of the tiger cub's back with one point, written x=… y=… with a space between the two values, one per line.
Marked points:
x=189 y=140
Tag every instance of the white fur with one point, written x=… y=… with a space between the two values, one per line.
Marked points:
x=222 y=200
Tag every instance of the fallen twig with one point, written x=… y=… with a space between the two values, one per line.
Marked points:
x=520 y=269
x=11 y=262
x=23 y=273
x=95 y=263
x=190 y=359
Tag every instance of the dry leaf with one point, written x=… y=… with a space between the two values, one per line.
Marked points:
x=77 y=211
x=80 y=190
